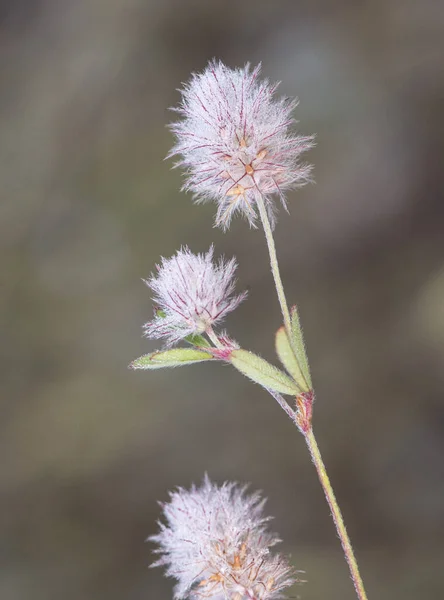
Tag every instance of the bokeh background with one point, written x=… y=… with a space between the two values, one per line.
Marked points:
x=87 y=207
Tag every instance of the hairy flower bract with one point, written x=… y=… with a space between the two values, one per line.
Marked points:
x=216 y=544
x=235 y=141
x=192 y=293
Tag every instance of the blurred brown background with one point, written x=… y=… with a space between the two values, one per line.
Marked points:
x=88 y=206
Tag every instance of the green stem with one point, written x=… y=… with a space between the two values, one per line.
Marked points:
x=335 y=513
x=213 y=337
x=274 y=262
x=278 y=281
x=308 y=432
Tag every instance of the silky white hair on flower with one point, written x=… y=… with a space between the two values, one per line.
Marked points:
x=236 y=141
x=215 y=543
x=192 y=293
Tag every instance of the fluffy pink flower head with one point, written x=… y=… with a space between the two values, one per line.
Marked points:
x=216 y=544
x=192 y=293
x=236 y=141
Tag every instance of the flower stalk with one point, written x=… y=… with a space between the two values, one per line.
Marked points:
x=274 y=263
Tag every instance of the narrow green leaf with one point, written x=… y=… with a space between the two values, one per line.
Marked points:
x=287 y=357
x=175 y=357
x=298 y=345
x=260 y=371
x=198 y=340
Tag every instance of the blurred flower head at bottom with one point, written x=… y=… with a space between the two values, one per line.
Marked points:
x=216 y=544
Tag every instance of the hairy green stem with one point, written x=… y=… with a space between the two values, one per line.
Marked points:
x=324 y=480
x=308 y=433
x=274 y=263
x=335 y=513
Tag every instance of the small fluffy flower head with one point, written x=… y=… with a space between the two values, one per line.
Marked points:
x=235 y=141
x=192 y=293
x=216 y=544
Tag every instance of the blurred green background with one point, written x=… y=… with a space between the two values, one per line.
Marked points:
x=88 y=206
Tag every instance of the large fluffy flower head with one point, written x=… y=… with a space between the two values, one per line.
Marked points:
x=236 y=141
x=192 y=293
x=216 y=544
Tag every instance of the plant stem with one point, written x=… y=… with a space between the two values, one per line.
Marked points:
x=308 y=432
x=335 y=513
x=278 y=281
x=283 y=404
x=213 y=337
x=274 y=262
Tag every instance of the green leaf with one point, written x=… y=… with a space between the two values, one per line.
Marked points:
x=260 y=371
x=175 y=357
x=288 y=359
x=298 y=345
x=198 y=340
